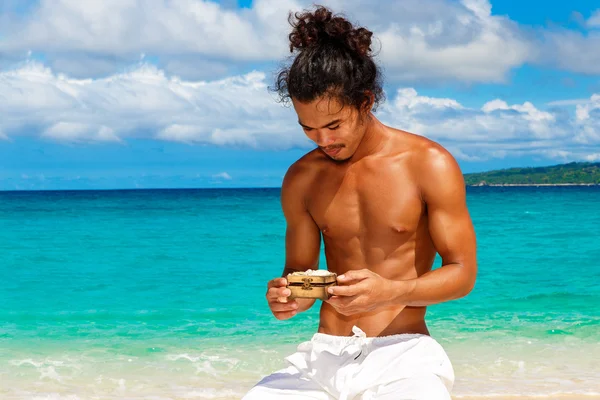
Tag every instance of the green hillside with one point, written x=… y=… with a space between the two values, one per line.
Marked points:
x=571 y=173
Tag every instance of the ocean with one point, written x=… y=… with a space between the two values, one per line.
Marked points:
x=159 y=294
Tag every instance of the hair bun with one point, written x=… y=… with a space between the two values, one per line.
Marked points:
x=321 y=26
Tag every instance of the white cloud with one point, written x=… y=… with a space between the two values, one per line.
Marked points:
x=595 y=157
x=434 y=40
x=497 y=129
x=446 y=119
x=78 y=132
x=222 y=175
x=239 y=111
x=570 y=50
x=84 y=66
x=587 y=120
x=409 y=98
x=594 y=20
x=451 y=40
x=568 y=102
x=196 y=68
x=120 y=27
x=539 y=122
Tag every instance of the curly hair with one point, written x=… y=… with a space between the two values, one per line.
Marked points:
x=334 y=59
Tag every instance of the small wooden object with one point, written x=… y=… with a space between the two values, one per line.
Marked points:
x=311 y=284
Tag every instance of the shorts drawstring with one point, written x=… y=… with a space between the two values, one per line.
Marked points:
x=357 y=343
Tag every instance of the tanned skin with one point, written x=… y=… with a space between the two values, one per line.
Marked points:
x=384 y=202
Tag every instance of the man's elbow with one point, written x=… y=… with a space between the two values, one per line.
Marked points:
x=469 y=273
x=468 y=288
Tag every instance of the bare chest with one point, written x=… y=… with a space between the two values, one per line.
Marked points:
x=368 y=204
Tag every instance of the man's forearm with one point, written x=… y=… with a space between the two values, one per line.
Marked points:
x=450 y=282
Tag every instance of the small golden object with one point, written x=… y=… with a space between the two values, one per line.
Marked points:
x=311 y=284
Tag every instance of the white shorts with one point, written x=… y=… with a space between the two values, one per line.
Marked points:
x=398 y=367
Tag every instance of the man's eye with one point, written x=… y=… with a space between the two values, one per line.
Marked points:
x=333 y=128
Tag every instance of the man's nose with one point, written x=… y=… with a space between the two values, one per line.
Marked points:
x=324 y=140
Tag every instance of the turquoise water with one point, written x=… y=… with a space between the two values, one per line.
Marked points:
x=160 y=293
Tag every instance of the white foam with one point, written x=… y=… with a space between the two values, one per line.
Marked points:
x=203 y=357
x=206 y=368
x=50 y=373
x=175 y=357
x=29 y=361
x=121 y=383
x=37 y=364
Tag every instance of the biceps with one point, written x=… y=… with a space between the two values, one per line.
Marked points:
x=453 y=235
x=303 y=244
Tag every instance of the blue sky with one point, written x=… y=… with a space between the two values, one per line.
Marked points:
x=135 y=94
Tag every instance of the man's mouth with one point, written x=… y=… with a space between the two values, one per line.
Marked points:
x=332 y=151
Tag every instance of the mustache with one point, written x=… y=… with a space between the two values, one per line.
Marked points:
x=333 y=147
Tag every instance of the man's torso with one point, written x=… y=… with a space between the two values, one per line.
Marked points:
x=371 y=215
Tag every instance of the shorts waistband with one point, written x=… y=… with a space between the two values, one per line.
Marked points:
x=358 y=333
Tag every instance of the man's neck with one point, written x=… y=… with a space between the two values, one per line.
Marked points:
x=373 y=140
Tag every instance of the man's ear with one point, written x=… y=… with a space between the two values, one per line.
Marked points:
x=368 y=102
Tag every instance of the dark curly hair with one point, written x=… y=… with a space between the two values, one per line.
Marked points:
x=334 y=59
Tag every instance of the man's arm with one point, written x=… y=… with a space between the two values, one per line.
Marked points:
x=443 y=191
x=302 y=237
x=451 y=229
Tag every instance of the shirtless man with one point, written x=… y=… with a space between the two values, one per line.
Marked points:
x=384 y=201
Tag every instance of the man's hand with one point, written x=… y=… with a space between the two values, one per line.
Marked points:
x=277 y=297
x=360 y=291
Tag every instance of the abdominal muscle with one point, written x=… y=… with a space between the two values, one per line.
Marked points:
x=392 y=320
x=384 y=321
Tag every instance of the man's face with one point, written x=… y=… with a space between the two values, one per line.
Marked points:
x=335 y=129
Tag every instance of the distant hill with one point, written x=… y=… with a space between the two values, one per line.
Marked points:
x=575 y=173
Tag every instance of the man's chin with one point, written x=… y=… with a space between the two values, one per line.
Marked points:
x=339 y=157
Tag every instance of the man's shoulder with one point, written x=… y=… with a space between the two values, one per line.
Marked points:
x=427 y=155
x=310 y=163
x=433 y=155
x=434 y=168
x=428 y=162
x=301 y=172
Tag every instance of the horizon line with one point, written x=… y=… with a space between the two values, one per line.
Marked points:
x=478 y=185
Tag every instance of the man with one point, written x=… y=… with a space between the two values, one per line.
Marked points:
x=384 y=201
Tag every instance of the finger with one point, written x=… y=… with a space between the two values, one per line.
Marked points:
x=278 y=292
x=277 y=282
x=341 y=301
x=348 y=290
x=334 y=301
x=282 y=307
x=344 y=305
x=354 y=275
x=285 y=314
